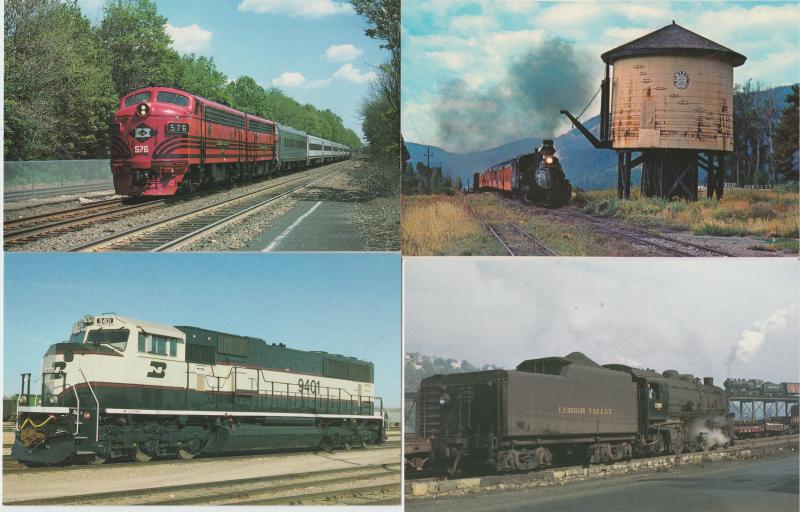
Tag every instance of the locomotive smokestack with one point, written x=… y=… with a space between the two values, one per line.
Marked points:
x=708 y=381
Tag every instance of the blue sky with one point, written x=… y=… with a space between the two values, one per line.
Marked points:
x=475 y=41
x=342 y=303
x=313 y=50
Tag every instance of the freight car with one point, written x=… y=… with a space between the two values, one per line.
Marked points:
x=762 y=408
x=534 y=177
x=563 y=408
x=127 y=388
x=165 y=141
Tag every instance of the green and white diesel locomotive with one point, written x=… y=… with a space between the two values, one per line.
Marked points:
x=126 y=388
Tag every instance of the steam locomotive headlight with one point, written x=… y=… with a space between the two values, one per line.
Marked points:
x=549 y=160
x=87 y=415
x=444 y=399
x=142 y=110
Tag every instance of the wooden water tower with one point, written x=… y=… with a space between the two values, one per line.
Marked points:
x=670 y=101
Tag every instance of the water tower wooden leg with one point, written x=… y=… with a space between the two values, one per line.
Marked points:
x=720 y=175
x=627 y=178
x=620 y=171
x=711 y=181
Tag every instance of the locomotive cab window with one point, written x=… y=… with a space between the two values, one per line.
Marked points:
x=159 y=345
x=171 y=97
x=137 y=98
x=77 y=337
x=117 y=338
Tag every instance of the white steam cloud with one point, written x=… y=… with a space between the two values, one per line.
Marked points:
x=751 y=340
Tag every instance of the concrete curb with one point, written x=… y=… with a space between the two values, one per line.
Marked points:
x=567 y=475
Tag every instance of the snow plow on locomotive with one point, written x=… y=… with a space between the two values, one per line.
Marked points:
x=125 y=388
x=558 y=409
x=534 y=177
x=165 y=141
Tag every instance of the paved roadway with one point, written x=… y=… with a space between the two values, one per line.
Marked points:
x=761 y=485
x=312 y=226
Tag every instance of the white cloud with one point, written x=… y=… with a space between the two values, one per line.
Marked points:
x=289 y=79
x=350 y=73
x=346 y=73
x=472 y=24
x=304 y=8
x=192 y=38
x=342 y=53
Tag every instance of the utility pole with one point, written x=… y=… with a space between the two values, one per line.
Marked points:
x=429 y=154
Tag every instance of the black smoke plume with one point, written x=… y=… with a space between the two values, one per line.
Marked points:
x=523 y=102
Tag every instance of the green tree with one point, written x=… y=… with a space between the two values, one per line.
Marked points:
x=133 y=32
x=381 y=107
x=787 y=136
x=58 y=92
x=200 y=76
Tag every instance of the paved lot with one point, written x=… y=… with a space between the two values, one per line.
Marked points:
x=766 y=484
x=312 y=226
x=116 y=477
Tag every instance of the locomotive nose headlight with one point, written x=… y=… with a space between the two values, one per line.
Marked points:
x=53 y=399
x=549 y=159
x=87 y=415
x=142 y=110
x=444 y=399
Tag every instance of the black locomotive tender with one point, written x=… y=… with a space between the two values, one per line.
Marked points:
x=562 y=408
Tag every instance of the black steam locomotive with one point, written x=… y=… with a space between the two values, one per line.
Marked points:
x=568 y=408
x=534 y=177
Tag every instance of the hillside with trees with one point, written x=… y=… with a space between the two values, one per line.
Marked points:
x=64 y=77
x=419 y=366
x=765 y=140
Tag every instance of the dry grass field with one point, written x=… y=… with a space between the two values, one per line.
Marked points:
x=769 y=214
x=441 y=225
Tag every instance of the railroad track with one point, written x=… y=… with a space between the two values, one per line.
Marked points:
x=515 y=240
x=663 y=243
x=362 y=484
x=177 y=230
x=25 y=230
x=11 y=466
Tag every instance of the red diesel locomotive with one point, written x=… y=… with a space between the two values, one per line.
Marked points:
x=165 y=141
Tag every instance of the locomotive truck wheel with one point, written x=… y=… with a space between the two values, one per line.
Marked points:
x=184 y=454
x=141 y=456
x=326 y=445
x=97 y=460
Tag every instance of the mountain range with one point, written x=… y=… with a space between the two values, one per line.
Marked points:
x=585 y=166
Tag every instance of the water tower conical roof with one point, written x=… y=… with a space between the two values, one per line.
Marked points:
x=674 y=40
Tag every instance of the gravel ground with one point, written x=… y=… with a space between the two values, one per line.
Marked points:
x=67 y=240
x=19 y=486
x=20 y=209
x=240 y=233
x=378 y=219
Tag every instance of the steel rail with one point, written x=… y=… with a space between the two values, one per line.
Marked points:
x=534 y=239
x=644 y=237
x=219 y=223
x=33 y=233
x=488 y=226
x=312 y=477
x=186 y=216
x=10 y=223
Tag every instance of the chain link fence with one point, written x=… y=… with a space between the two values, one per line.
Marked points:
x=43 y=178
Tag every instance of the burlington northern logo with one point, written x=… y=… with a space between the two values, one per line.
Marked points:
x=142 y=132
